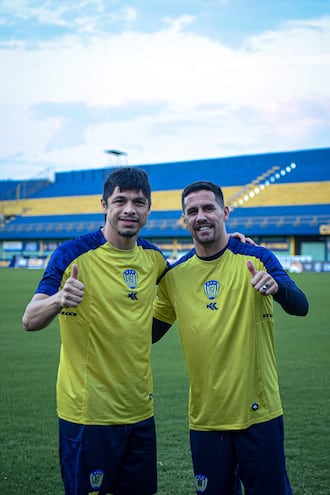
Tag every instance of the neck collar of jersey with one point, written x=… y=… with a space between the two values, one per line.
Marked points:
x=214 y=256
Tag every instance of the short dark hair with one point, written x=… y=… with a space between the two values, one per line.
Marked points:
x=127 y=178
x=203 y=185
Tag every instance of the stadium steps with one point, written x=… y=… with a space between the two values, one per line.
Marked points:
x=251 y=186
x=52 y=206
x=272 y=195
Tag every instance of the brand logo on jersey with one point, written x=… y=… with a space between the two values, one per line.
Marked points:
x=133 y=296
x=201 y=482
x=211 y=289
x=131 y=278
x=212 y=306
x=96 y=478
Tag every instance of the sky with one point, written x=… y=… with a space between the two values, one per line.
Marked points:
x=160 y=81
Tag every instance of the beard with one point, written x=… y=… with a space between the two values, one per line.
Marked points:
x=127 y=233
x=204 y=239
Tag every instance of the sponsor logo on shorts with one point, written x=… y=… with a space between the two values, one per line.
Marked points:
x=96 y=478
x=201 y=482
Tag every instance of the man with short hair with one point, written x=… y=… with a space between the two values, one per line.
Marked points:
x=102 y=287
x=221 y=294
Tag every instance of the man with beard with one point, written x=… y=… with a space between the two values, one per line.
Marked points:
x=102 y=287
x=221 y=294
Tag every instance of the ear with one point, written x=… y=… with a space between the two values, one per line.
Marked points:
x=184 y=220
x=103 y=205
x=226 y=212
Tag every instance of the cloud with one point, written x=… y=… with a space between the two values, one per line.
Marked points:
x=71 y=120
x=167 y=95
x=32 y=21
x=178 y=23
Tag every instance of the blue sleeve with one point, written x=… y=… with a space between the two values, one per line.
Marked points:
x=65 y=254
x=291 y=298
x=159 y=329
x=52 y=278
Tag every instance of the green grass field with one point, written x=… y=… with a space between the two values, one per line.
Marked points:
x=28 y=422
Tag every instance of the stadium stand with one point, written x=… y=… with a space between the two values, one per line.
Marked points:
x=280 y=199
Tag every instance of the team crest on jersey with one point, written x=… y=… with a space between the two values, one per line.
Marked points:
x=96 y=478
x=201 y=483
x=131 y=278
x=211 y=289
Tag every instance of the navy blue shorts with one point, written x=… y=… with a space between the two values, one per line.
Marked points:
x=258 y=450
x=118 y=459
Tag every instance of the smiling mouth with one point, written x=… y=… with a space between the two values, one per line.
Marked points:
x=204 y=228
x=128 y=220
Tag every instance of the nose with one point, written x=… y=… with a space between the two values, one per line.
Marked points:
x=129 y=208
x=200 y=217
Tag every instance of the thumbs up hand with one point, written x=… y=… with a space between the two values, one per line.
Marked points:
x=74 y=271
x=262 y=281
x=73 y=290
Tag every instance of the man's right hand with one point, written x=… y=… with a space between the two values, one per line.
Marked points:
x=73 y=290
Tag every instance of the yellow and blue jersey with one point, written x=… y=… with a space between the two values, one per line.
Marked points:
x=226 y=329
x=104 y=374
